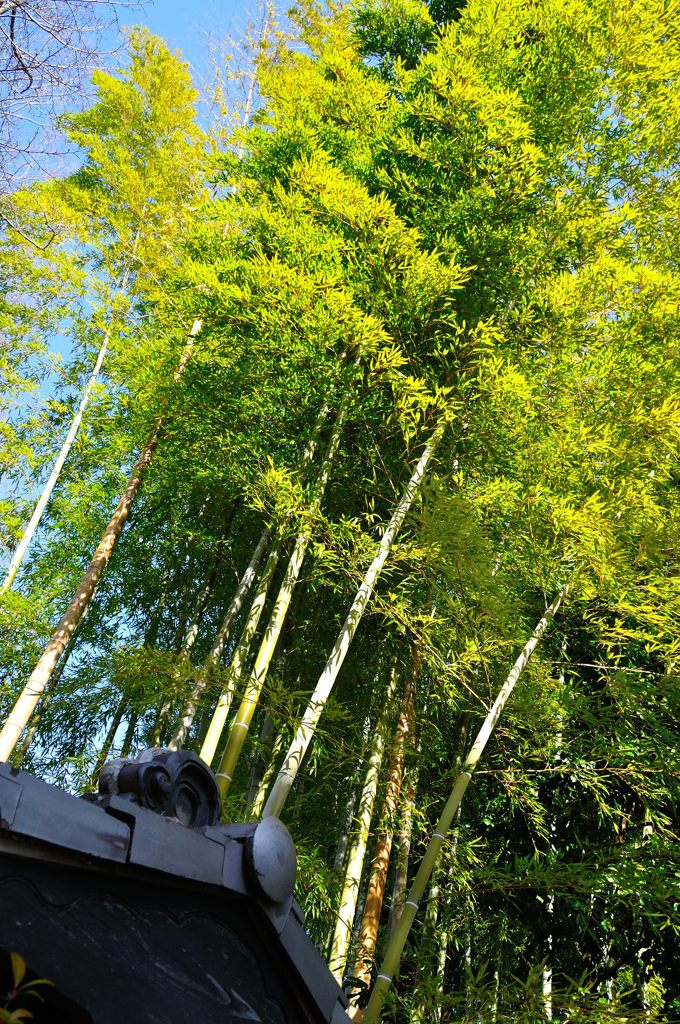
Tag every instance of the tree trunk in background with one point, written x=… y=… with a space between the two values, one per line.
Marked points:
x=378 y=878
x=434 y=942
x=496 y=982
x=255 y=809
x=343 y=840
x=37 y=681
x=310 y=719
x=39 y=678
x=547 y=974
x=403 y=848
x=50 y=691
x=130 y=734
x=191 y=635
x=149 y=642
x=110 y=737
x=221 y=637
x=162 y=724
x=182 y=619
x=219 y=717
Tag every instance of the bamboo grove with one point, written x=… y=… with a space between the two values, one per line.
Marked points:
x=371 y=488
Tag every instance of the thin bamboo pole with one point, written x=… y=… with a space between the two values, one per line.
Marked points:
x=215 y=653
x=41 y=504
x=50 y=691
x=258 y=766
x=219 y=717
x=305 y=732
x=238 y=660
x=191 y=635
x=395 y=947
x=110 y=737
x=50 y=484
x=357 y=851
x=255 y=809
x=129 y=734
x=241 y=724
x=433 y=946
x=343 y=839
x=39 y=678
x=403 y=848
x=381 y=858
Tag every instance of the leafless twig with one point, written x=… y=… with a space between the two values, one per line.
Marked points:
x=48 y=50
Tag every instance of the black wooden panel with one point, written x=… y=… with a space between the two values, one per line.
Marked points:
x=135 y=951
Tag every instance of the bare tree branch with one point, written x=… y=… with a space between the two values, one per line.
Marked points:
x=48 y=50
x=27 y=238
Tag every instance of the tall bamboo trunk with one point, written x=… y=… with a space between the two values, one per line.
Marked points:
x=378 y=878
x=343 y=838
x=434 y=942
x=357 y=849
x=182 y=644
x=150 y=639
x=37 y=681
x=191 y=635
x=324 y=686
x=260 y=670
x=255 y=809
x=186 y=635
x=497 y=973
x=258 y=766
x=240 y=655
x=50 y=691
x=219 y=717
x=183 y=614
x=41 y=504
x=129 y=739
x=403 y=843
x=547 y=979
x=212 y=659
x=547 y=972
x=243 y=589
x=396 y=944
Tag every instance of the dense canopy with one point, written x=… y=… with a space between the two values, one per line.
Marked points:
x=374 y=415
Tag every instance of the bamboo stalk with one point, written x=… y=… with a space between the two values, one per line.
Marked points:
x=241 y=724
x=357 y=851
x=257 y=767
x=403 y=848
x=110 y=737
x=396 y=944
x=191 y=635
x=381 y=858
x=324 y=686
x=219 y=643
x=41 y=504
x=219 y=717
x=50 y=691
x=255 y=809
x=235 y=671
x=39 y=678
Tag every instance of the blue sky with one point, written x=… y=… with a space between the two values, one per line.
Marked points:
x=187 y=24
